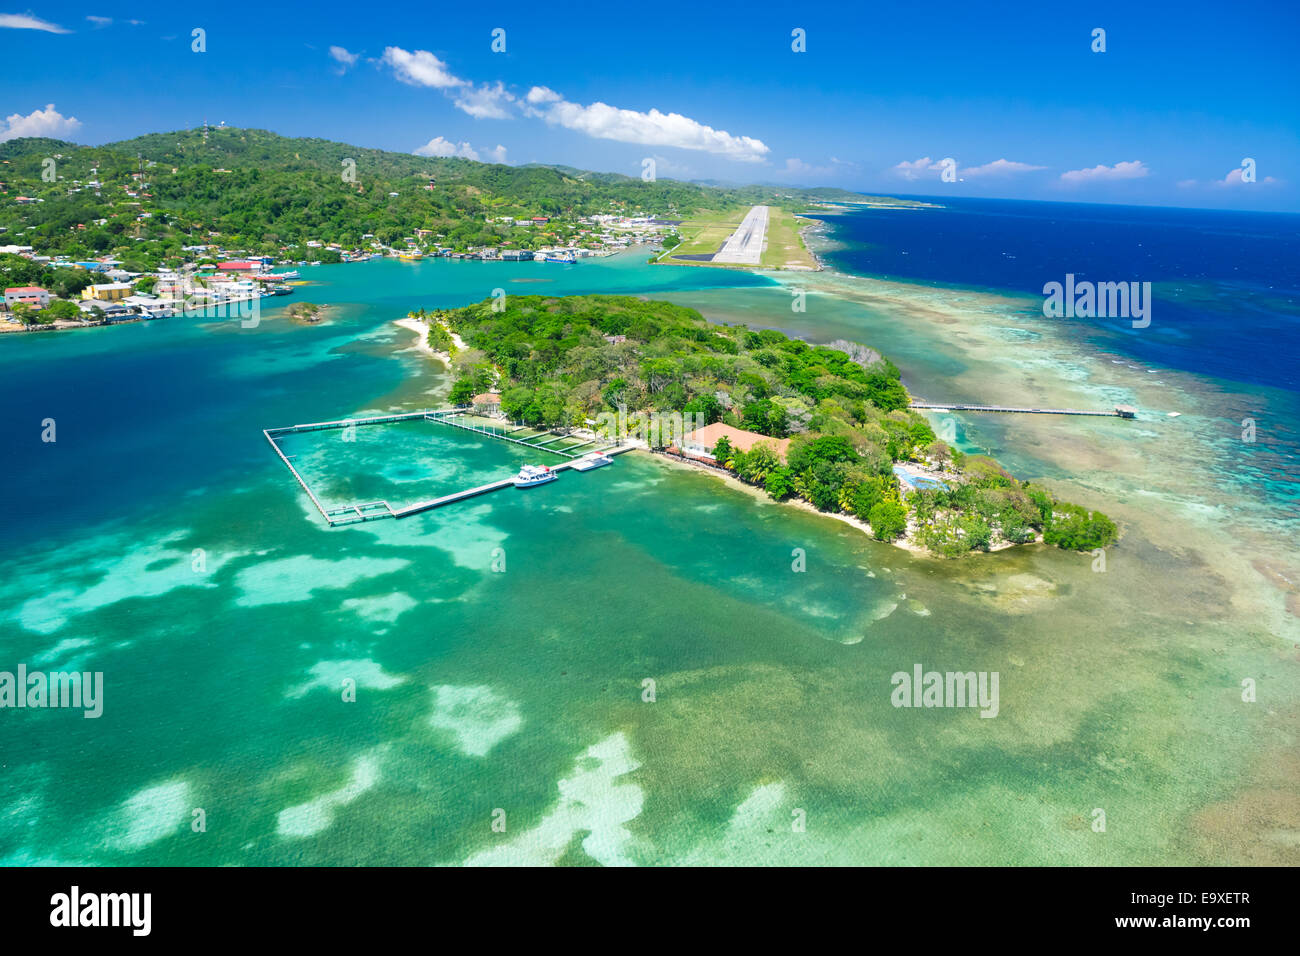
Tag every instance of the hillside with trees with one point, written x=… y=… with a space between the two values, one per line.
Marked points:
x=143 y=199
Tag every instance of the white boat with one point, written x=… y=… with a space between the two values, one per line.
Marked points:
x=530 y=475
x=592 y=460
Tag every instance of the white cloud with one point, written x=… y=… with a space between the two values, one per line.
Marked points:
x=653 y=128
x=920 y=168
x=999 y=167
x=600 y=120
x=420 y=68
x=484 y=102
x=439 y=146
x=100 y=21
x=1133 y=169
x=1234 y=178
x=25 y=21
x=445 y=147
x=344 y=58
x=46 y=122
x=542 y=94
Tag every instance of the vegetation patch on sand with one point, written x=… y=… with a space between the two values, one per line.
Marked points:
x=308 y=313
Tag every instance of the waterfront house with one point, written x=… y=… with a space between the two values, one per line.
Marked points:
x=32 y=295
x=700 y=443
x=486 y=403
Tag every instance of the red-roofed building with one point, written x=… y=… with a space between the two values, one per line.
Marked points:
x=239 y=265
x=700 y=442
x=32 y=295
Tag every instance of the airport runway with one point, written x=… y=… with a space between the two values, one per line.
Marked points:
x=745 y=245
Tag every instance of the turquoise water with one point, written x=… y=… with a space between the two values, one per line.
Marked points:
x=384 y=693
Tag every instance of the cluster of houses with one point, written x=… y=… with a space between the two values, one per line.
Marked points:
x=597 y=235
x=120 y=297
x=236 y=277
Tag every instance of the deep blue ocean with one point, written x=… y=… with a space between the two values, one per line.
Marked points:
x=1226 y=285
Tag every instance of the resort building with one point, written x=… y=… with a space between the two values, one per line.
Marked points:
x=486 y=403
x=32 y=295
x=700 y=442
x=108 y=291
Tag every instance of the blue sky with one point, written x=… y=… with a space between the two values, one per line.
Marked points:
x=883 y=95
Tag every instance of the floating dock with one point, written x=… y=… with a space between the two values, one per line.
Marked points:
x=1120 y=411
x=375 y=510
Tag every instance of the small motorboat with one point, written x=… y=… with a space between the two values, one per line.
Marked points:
x=590 y=461
x=530 y=475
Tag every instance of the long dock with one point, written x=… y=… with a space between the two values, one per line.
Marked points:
x=294 y=471
x=484 y=489
x=502 y=435
x=1120 y=411
x=375 y=510
x=344 y=423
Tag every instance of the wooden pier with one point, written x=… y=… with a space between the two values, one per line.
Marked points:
x=344 y=423
x=1120 y=411
x=376 y=510
x=446 y=419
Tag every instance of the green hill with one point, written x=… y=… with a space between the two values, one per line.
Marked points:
x=257 y=191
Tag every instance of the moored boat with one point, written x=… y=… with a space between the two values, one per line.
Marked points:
x=530 y=475
x=592 y=460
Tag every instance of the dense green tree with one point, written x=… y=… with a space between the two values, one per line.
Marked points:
x=1078 y=529
x=62 y=309
x=888 y=520
x=462 y=391
x=779 y=483
x=706 y=406
x=722 y=451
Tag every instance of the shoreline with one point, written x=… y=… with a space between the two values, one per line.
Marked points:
x=905 y=543
x=421 y=329
x=1155 y=477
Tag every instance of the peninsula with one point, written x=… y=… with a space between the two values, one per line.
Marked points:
x=828 y=425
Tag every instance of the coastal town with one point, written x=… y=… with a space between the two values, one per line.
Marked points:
x=214 y=278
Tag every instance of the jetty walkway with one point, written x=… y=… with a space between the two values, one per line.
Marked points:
x=1120 y=411
x=565 y=446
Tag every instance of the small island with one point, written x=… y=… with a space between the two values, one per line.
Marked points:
x=824 y=425
x=307 y=312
